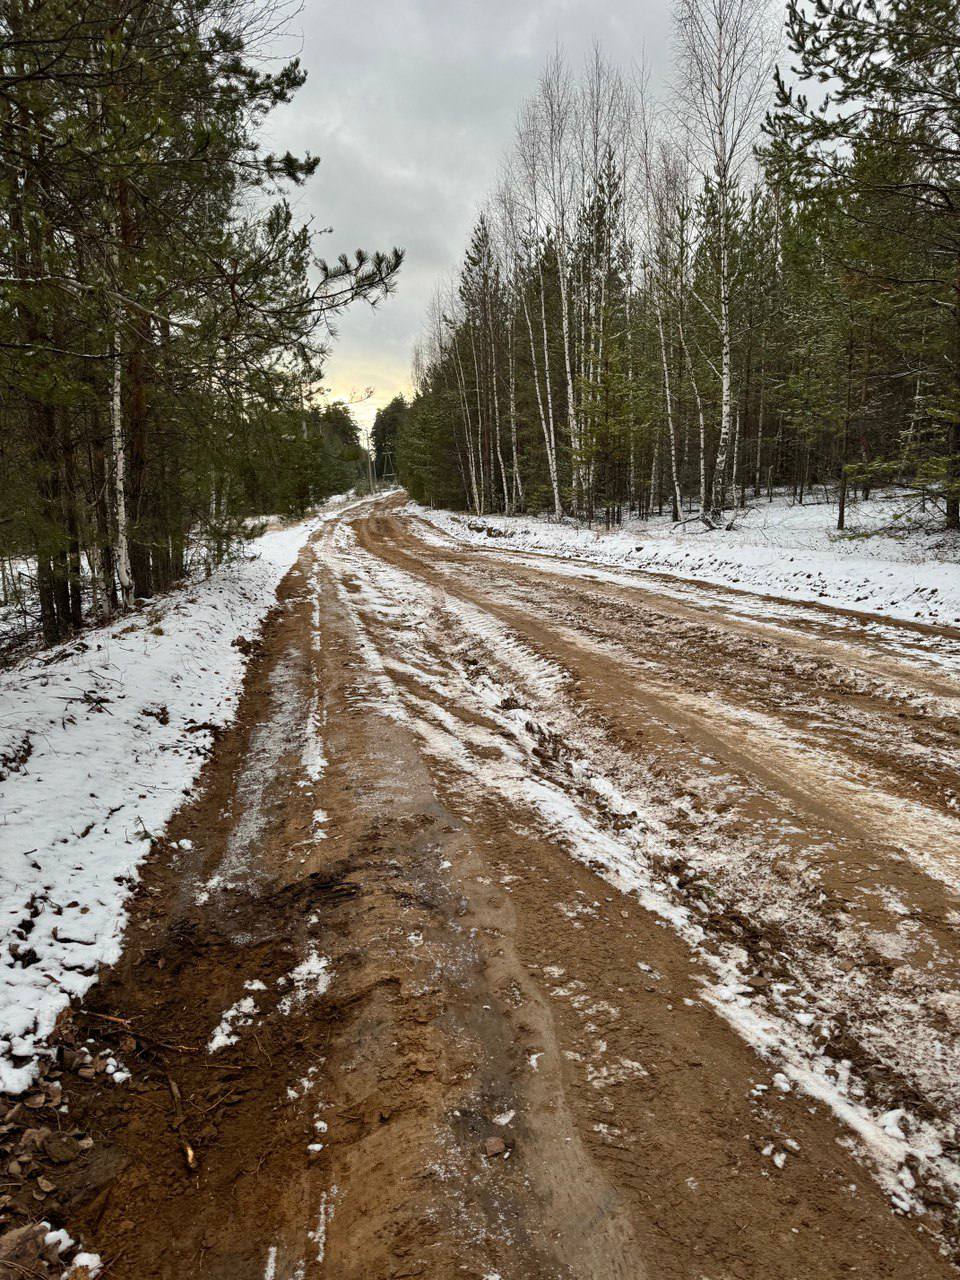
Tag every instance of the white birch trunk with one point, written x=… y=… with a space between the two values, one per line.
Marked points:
x=118 y=447
x=496 y=411
x=671 y=426
x=465 y=406
x=549 y=398
x=726 y=377
x=546 y=425
x=517 y=500
x=701 y=420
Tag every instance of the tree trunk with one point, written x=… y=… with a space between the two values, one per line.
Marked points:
x=124 y=573
x=726 y=372
x=512 y=371
x=671 y=426
x=546 y=419
x=953 y=436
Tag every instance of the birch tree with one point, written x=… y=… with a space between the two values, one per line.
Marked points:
x=726 y=53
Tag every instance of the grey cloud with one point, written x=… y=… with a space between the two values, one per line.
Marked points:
x=410 y=106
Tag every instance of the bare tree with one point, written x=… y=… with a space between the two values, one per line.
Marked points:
x=726 y=55
x=530 y=239
x=661 y=260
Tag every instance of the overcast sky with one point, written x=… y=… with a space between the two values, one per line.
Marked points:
x=410 y=104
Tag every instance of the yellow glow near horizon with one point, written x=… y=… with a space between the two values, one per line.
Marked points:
x=352 y=385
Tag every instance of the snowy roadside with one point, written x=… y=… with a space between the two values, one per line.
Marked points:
x=99 y=742
x=777 y=550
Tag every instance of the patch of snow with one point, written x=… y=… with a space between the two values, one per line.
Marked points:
x=238 y=1015
x=319 y=1235
x=61 y=1238
x=91 y=1261
x=604 y=1076
x=311 y=977
x=272 y=738
x=314 y=757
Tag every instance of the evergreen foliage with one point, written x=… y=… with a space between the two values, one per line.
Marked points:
x=163 y=318
x=387 y=426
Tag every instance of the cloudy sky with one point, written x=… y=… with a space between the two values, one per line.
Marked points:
x=410 y=104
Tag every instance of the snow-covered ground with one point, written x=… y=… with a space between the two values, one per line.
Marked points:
x=878 y=565
x=99 y=741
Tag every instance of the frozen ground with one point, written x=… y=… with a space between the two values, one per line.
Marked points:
x=100 y=739
x=879 y=565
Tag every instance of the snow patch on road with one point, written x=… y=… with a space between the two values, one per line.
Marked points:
x=314 y=758
x=88 y=1264
x=270 y=741
x=311 y=977
x=240 y=1014
x=319 y=1234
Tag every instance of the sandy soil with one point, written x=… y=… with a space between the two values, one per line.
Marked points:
x=579 y=927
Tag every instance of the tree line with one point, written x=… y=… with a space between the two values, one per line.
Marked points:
x=681 y=305
x=164 y=318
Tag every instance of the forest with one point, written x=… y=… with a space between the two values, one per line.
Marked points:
x=164 y=318
x=515 y=837
x=681 y=303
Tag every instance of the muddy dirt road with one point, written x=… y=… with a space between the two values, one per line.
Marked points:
x=542 y=921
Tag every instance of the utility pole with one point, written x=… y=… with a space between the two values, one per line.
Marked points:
x=389 y=475
x=371 y=479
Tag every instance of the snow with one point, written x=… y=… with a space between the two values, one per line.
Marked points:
x=91 y=1262
x=311 y=977
x=238 y=1015
x=876 y=566
x=100 y=740
x=314 y=757
x=61 y=1238
x=319 y=1235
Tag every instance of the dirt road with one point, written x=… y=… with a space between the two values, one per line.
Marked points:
x=541 y=921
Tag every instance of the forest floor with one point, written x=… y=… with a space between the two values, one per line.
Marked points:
x=531 y=922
